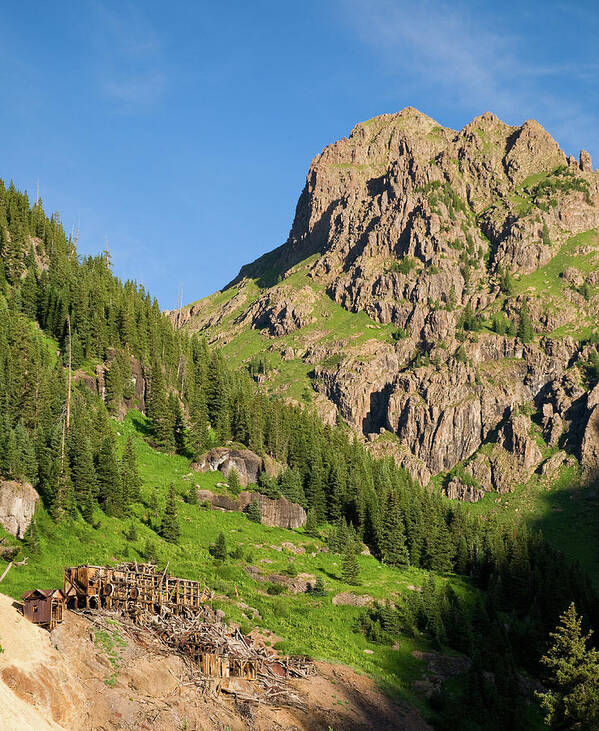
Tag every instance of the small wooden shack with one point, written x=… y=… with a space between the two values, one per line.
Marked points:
x=44 y=606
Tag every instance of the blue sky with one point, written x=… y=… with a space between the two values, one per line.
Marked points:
x=182 y=132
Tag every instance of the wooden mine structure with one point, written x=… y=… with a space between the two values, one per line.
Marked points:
x=175 y=611
x=221 y=654
x=130 y=587
x=44 y=606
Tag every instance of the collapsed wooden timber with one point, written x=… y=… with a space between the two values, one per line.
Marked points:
x=129 y=586
x=159 y=609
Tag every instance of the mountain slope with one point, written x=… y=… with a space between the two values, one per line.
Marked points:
x=258 y=557
x=437 y=286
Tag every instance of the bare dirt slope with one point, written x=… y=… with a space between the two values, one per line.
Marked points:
x=78 y=678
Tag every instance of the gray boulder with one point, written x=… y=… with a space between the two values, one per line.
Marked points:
x=18 y=501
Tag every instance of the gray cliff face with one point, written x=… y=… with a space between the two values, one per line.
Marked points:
x=18 y=501
x=279 y=512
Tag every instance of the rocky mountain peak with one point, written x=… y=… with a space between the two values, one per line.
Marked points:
x=435 y=242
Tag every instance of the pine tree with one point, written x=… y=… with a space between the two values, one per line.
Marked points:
x=10 y=457
x=83 y=471
x=26 y=459
x=350 y=569
x=150 y=551
x=198 y=420
x=311 y=526
x=439 y=548
x=392 y=540
x=315 y=494
x=115 y=384
x=506 y=282
x=290 y=485
x=63 y=504
x=179 y=430
x=31 y=539
x=191 y=498
x=219 y=550
x=339 y=537
x=317 y=588
x=169 y=528
x=86 y=504
x=525 y=330
x=109 y=479
x=29 y=294
x=159 y=410
x=130 y=473
x=572 y=701
x=233 y=481
x=131 y=533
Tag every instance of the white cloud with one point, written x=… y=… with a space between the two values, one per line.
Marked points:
x=135 y=89
x=129 y=59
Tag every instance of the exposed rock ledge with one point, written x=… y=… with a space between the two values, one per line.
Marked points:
x=18 y=501
x=279 y=512
x=248 y=464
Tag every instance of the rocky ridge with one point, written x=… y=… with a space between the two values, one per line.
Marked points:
x=414 y=252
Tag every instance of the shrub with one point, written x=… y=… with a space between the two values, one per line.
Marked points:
x=237 y=553
x=191 y=497
x=399 y=334
x=317 y=588
x=275 y=589
x=219 y=549
x=279 y=609
x=245 y=628
x=404 y=265
x=291 y=569
x=253 y=512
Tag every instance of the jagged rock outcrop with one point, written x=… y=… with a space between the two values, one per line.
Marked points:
x=279 y=312
x=589 y=448
x=551 y=467
x=18 y=501
x=429 y=232
x=277 y=512
x=509 y=461
x=515 y=437
x=248 y=464
x=458 y=490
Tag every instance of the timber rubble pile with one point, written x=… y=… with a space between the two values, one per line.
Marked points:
x=167 y=614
